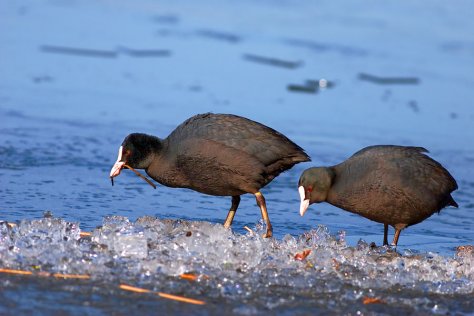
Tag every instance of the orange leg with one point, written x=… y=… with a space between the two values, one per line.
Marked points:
x=233 y=209
x=396 y=236
x=263 y=208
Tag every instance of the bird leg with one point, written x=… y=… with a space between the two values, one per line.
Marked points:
x=233 y=209
x=396 y=236
x=263 y=208
x=385 y=233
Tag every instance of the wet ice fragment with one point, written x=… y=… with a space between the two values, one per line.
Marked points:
x=154 y=252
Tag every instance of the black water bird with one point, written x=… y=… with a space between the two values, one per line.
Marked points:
x=394 y=185
x=215 y=154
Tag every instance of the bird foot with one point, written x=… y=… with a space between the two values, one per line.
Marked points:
x=268 y=234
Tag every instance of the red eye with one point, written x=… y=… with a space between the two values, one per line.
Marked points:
x=310 y=189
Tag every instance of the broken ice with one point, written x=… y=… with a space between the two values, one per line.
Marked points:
x=153 y=253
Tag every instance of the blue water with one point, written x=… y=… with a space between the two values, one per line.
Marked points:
x=64 y=115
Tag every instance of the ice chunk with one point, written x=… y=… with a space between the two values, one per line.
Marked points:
x=154 y=253
x=122 y=237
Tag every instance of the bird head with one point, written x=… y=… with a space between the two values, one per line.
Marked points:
x=314 y=186
x=136 y=151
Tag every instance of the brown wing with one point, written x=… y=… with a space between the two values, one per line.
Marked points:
x=412 y=165
x=269 y=147
x=214 y=168
x=401 y=183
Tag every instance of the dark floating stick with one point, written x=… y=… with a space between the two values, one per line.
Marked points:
x=388 y=80
x=105 y=53
x=145 y=52
x=273 y=61
x=322 y=47
x=166 y=19
x=311 y=86
x=301 y=88
x=78 y=51
x=221 y=36
x=141 y=176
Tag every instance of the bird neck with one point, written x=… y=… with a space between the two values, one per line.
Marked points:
x=150 y=148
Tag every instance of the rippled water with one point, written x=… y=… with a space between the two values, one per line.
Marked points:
x=63 y=115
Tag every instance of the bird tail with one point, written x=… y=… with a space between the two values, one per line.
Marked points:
x=451 y=201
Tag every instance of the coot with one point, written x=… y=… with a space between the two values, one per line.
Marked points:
x=216 y=154
x=394 y=185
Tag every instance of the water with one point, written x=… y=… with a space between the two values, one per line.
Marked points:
x=63 y=116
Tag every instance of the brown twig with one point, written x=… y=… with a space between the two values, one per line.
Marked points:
x=372 y=300
x=300 y=256
x=160 y=294
x=141 y=176
x=122 y=286
x=180 y=298
x=46 y=274
x=85 y=234
x=188 y=276
x=133 y=289
x=249 y=230
x=71 y=276
x=13 y=271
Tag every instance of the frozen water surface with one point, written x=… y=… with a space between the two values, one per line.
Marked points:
x=78 y=76
x=239 y=273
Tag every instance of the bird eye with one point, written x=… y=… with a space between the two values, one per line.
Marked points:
x=310 y=189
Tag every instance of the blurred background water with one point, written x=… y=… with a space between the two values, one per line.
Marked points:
x=78 y=76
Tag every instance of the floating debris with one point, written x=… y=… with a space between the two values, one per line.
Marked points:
x=414 y=106
x=15 y=271
x=105 y=53
x=181 y=298
x=189 y=276
x=122 y=286
x=78 y=51
x=311 y=86
x=85 y=234
x=302 y=88
x=166 y=19
x=45 y=274
x=71 y=276
x=164 y=295
x=372 y=300
x=145 y=52
x=465 y=251
x=133 y=289
x=42 y=79
x=249 y=230
x=300 y=256
x=327 y=47
x=388 y=80
x=193 y=276
x=221 y=36
x=273 y=61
